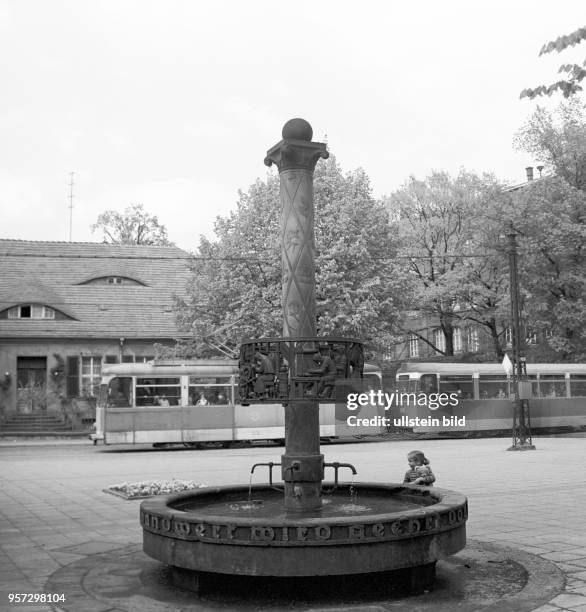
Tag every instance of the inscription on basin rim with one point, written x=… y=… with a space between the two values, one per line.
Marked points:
x=287 y=535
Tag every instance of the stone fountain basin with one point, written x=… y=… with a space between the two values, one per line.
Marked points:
x=237 y=530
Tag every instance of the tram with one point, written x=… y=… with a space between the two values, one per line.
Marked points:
x=196 y=402
x=480 y=396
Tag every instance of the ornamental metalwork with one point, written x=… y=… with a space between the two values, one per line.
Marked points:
x=285 y=369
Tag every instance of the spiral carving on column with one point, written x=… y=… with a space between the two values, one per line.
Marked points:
x=296 y=160
x=298 y=253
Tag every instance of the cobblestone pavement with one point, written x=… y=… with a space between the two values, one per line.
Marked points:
x=53 y=509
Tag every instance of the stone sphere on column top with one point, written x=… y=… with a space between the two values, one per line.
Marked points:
x=297 y=129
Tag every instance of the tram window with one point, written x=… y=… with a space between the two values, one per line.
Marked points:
x=493 y=386
x=120 y=392
x=371 y=382
x=428 y=383
x=157 y=381
x=158 y=392
x=407 y=385
x=403 y=383
x=463 y=386
x=213 y=391
x=216 y=395
x=578 y=385
x=534 y=384
x=552 y=385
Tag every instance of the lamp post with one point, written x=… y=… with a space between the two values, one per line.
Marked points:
x=521 y=417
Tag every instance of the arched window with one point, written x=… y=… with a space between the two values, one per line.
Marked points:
x=31 y=311
x=114 y=279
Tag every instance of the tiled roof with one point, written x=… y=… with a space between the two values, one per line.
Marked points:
x=525 y=184
x=52 y=273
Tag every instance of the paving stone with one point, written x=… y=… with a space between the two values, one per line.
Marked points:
x=509 y=511
x=579 y=590
x=560 y=556
x=569 y=599
x=90 y=548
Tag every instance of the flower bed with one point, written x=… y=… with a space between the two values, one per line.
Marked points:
x=150 y=488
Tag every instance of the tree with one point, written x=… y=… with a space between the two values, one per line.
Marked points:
x=134 y=226
x=448 y=228
x=558 y=140
x=235 y=287
x=550 y=214
x=484 y=279
x=575 y=73
x=360 y=286
x=235 y=291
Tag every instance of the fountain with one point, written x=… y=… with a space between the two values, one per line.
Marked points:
x=304 y=527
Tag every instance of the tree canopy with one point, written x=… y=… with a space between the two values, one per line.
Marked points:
x=557 y=139
x=574 y=72
x=134 y=226
x=449 y=231
x=436 y=247
x=550 y=215
x=235 y=291
x=454 y=231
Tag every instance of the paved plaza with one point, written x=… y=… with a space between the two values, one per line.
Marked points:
x=55 y=513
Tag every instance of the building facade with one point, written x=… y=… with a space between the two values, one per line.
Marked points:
x=66 y=309
x=424 y=339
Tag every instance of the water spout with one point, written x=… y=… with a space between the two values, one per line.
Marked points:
x=270 y=465
x=337 y=465
x=294 y=467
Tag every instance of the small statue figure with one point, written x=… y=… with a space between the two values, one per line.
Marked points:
x=355 y=360
x=265 y=374
x=327 y=372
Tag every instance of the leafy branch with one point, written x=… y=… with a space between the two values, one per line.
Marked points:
x=574 y=72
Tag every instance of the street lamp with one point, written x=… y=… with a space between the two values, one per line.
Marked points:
x=522 y=387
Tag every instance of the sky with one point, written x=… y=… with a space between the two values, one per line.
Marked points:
x=173 y=104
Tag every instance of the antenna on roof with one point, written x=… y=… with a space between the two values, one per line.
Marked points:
x=70 y=204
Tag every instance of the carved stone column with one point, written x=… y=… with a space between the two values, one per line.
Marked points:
x=296 y=157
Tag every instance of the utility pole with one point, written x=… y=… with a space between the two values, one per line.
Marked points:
x=521 y=417
x=71 y=204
